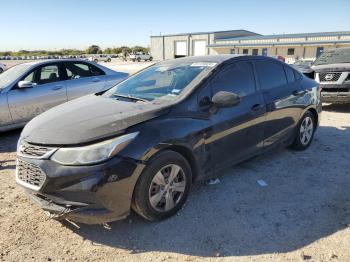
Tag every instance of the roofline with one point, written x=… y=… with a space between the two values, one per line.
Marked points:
x=204 y=33
x=335 y=33
x=282 y=43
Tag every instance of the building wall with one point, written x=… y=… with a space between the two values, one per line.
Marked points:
x=169 y=45
x=157 y=48
x=299 y=52
x=163 y=47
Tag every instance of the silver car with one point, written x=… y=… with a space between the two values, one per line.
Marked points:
x=28 y=89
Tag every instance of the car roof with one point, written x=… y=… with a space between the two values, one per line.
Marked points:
x=207 y=58
x=46 y=61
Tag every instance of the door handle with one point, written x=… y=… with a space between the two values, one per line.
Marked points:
x=256 y=107
x=96 y=80
x=57 y=87
x=299 y=92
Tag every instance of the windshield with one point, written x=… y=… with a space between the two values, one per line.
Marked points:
x=11 y=74
x=335 y=56
x=165 y=81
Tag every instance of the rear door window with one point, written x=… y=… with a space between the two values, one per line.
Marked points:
x=81 y=70
x=290 y=74
x=237 y=78
x=271 y=74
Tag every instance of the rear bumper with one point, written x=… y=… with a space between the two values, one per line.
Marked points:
x=93 y=194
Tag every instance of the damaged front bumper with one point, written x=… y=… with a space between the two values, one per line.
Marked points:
x=93 y=194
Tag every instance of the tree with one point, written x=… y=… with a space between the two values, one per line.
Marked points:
x=93 y=49
x=108 y=51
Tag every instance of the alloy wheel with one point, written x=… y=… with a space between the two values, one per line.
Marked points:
x=306 y=130
x=167 y=188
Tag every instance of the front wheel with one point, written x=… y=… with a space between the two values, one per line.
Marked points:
x=305 y=132
x=1 y=70
x=163 y=186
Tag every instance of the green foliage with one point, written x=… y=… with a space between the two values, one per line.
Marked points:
x=93 y=49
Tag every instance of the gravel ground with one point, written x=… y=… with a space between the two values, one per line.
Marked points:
x=302 y=214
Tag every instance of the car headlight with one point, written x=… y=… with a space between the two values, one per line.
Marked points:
x=92 y=154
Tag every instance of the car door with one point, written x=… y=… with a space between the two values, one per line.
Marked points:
x=5 y=117
x=236 y=132
x=48 y=91
x=83 y=78
x=281 y=92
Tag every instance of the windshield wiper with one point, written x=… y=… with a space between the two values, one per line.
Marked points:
x=131 y=97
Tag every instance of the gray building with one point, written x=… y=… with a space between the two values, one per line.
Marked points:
x=290 y=46
x=191 y=44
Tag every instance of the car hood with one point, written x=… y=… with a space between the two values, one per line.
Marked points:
x=331 y=67
x=303 y=69
x=88 y=119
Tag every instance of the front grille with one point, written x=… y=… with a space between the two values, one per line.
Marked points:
x=34 y=151
x=329 y=77
x=30 y=175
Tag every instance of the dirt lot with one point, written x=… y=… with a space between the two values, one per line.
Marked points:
x=302 y=214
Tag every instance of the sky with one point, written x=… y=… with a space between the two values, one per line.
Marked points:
x=52 y=25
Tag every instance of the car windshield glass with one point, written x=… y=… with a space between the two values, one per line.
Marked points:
x=11 y=74
x=164 y=81
x=335 y=56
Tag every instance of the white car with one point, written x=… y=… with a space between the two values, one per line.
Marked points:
x=98 y=58
x=2 y=68
x=140 y=56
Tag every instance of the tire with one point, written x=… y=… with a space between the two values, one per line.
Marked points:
x=108 y=60
x=152 y=195
x=138 y=59
x=1 y=70
x=96 y=61
x=304 y=132
x=151 y=58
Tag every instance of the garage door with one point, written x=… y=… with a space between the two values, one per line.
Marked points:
x=199 y=47
x=180 y=48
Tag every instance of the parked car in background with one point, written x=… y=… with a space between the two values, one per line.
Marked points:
x=304 y=66
x=155 y=133
x=99 y=58
x=139 y=56
x=333 y=73
x=28 y=89
x=2 y=67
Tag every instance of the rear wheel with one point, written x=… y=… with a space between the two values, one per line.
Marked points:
x=138 y=59
x=163 y=187
x=305 y=132
x=151 y=58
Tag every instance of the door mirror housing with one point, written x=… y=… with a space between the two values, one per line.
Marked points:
x=25 y=84
x=225 y=99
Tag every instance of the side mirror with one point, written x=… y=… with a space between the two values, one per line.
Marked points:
x=225 y=99
x=25 y=84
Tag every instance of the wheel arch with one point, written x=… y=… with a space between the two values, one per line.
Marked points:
x=183 y=150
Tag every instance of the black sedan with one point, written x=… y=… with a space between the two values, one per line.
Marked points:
x=142 y=144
